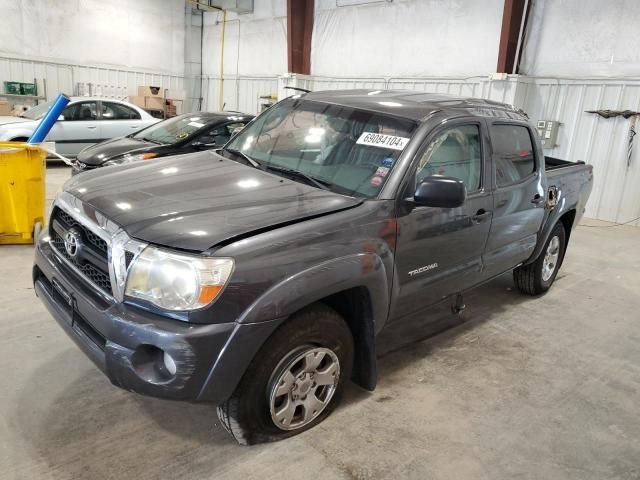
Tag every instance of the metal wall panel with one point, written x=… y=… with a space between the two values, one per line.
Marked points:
x=239 y=93
x=598 y=141
x=108 y=82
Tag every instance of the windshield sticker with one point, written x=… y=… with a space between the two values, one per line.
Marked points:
x=376 y=181
x=387 y=162
x=382 y=171
x=382 y=141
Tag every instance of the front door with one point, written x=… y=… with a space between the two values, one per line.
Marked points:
x=79 y=129
x=439 y=250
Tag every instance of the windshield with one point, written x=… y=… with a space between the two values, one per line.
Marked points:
x=173 y=130
x=38 y=111
x=352 y=150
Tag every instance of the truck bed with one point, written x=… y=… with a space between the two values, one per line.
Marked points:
x=552 y=163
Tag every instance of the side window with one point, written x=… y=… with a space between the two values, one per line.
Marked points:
x=512 y=153
x=116 y=111
x=455 y=152
x=81 y=111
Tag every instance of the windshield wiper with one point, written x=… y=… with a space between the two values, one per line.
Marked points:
x=318 y=182
x=246 y=157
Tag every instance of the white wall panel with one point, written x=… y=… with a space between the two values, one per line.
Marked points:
x=240 y=94
x=139 y=35
x=406 y=37
x=589 y=38
x=62 y=78
x=598 y=141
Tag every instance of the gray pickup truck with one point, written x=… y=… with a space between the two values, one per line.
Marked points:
x=258 y=276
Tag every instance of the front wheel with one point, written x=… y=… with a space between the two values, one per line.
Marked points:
x=537 y=277
x=294 y=381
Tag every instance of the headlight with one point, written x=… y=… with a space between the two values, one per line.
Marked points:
x=128 y=158
x=177 y=282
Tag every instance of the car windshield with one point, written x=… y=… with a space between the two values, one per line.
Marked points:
x=173 y=130
x=38 y=111
x=351 y=151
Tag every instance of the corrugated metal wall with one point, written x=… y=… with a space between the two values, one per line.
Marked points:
x=239 y=93
x=109 y=82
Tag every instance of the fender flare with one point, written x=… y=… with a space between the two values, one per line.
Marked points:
x=551 y=221
x=292 y=294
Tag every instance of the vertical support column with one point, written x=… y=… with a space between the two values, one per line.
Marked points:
x=514 y=19
x=299 y=29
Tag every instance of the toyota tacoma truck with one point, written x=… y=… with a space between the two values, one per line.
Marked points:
x=257 y=277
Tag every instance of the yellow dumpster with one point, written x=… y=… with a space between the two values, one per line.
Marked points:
x=22 y=192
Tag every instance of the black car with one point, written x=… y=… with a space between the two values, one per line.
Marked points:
x=186 y=133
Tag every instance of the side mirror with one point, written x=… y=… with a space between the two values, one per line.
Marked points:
x=439 y=191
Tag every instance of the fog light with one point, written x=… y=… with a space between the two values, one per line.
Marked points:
x=169 y=363
x=153 y=364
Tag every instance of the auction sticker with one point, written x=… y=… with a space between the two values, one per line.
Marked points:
x=382 y=141
x=376 y=181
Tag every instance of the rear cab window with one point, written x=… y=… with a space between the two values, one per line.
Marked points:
x=513 y=153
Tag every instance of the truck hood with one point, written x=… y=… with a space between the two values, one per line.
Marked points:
x=198 y=200
x=6 y=120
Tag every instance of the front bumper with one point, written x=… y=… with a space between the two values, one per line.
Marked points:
x=123 y=341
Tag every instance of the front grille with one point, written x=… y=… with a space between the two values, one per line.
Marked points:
x=93 y=265
x=69 y=222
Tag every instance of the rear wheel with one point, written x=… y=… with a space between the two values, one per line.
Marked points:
x=294 y=381
x=537 y=277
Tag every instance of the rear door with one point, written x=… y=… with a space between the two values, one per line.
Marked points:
x=518 y=209
x=79 y=129
x=118 y=120
x=439 y=250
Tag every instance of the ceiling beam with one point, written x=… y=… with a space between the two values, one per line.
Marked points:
x=299 y=29
x=514 y=18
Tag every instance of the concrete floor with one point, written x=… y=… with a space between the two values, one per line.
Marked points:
x=523 y=388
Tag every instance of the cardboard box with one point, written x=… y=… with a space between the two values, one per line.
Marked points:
x=5 y=108
x=150 y=91
x=147 y=102
x=154 y=102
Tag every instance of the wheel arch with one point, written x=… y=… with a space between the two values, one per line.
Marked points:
x=356 y=286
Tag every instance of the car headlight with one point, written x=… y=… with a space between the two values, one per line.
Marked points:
x=128 y=158
x=175 y=281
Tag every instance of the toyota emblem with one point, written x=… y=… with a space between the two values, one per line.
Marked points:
x=72 y=242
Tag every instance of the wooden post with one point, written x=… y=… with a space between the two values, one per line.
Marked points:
x=299 y=30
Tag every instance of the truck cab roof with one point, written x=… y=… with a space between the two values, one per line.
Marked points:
x=413 y=105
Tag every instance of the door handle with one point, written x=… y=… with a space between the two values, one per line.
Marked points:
x=537 y=199
x=481 y=215
x=91 y=127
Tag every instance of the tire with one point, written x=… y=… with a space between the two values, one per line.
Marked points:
x=315 y=334
x=537 y=277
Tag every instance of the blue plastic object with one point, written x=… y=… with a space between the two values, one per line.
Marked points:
x=51 y=117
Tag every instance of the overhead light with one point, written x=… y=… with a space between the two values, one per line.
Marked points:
x=167 y=171
x=390 y=104
x=198 y=233
x=123 y=206
x=375 y=92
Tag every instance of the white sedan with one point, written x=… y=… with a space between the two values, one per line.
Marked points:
x=85 y=121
